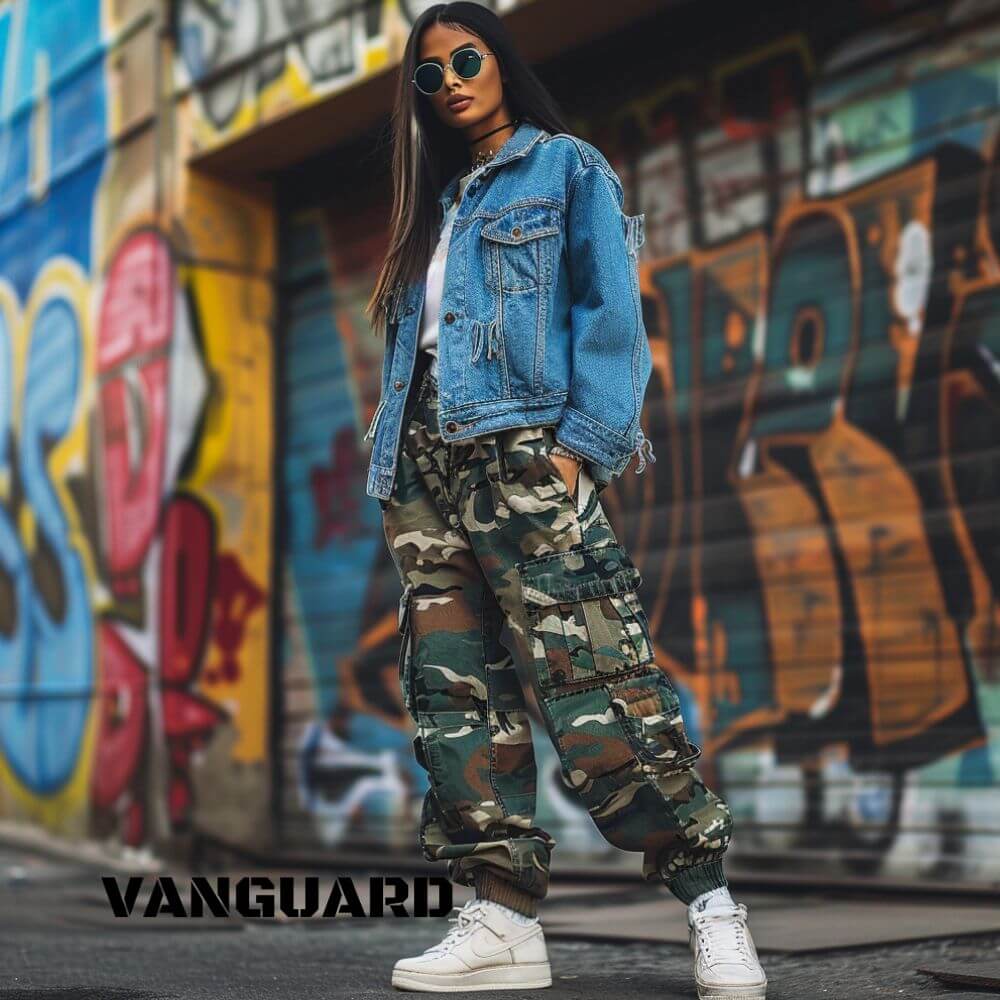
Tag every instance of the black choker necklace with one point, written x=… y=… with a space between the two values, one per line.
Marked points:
x=485 y=155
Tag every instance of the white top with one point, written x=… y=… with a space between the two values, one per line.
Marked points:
x=435 y=278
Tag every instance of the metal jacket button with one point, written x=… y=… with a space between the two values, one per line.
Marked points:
x=516 y=231
x=449 y=317
x=398 y=384
x=451 y=427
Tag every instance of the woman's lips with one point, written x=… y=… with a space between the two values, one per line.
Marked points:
x=460 y=105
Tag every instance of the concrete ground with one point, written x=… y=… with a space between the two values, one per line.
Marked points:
x=58 y=941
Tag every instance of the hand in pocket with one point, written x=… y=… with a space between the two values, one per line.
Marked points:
x=569 y=469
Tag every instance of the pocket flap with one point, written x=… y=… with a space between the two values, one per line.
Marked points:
x=580 y=574
x=523 y=222
x=649 y=711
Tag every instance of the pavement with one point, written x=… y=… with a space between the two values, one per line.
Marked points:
x=59 y=941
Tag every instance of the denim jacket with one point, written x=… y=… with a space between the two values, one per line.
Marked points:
x=541 y=317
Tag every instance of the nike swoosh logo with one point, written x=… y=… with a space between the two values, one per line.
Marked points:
x=504 y=945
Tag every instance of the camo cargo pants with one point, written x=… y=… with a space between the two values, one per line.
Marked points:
x=485 y=530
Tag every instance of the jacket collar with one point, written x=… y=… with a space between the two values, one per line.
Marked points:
x=517 y=145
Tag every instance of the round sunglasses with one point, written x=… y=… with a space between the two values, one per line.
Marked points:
x=428 y=77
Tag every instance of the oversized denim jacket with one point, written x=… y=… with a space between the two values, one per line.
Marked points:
x=541 y=317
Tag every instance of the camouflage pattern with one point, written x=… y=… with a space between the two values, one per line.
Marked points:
x=485 y=531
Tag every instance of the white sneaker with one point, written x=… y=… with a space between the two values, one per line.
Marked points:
x=486 y=950
x=726 y=966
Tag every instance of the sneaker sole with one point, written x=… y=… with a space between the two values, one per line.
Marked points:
x=533 y=976
x=731 y=992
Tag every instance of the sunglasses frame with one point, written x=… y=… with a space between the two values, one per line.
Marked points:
x=465 y=48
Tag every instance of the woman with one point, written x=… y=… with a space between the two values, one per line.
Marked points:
x=515 y=367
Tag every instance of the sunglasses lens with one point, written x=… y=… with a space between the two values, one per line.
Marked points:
x=467 y=63
x=429 y=78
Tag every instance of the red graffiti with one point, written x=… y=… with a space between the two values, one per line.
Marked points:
x=186 y=584
x=186 y=587
x=188 y=721
x=134 y=328
x=238 y=598
x=122 y=725
x=187 y=581
x=332 y=487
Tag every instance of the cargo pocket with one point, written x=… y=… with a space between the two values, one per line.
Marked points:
x=456 y=749
x=406 y=652
x=649 y=712
x=580 y=607
x=595 y=756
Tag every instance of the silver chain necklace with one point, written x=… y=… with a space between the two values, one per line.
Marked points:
x=485 y=155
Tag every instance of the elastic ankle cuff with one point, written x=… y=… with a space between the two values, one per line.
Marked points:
x=490 y=886
x=692 y=882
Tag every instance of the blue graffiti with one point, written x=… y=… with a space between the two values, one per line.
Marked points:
x=321 y=552
x=46 y=650
x=65 y=37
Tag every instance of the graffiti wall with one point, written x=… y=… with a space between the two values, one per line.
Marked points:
x=135 y=457
x=818 y=541
x=243 y=63
x=826 y=377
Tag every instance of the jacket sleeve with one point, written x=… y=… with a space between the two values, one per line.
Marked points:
x=611 y=359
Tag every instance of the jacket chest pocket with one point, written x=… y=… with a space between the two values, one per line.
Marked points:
x=520 y=247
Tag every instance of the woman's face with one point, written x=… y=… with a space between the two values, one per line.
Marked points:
x=484 y=92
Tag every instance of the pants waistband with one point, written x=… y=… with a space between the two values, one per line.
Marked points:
x=422 y=386
x=424 y=376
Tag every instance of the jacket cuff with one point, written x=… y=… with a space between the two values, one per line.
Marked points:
x=593 y=440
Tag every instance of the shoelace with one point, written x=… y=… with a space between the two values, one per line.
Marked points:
x=465 y=920
x=720 y=934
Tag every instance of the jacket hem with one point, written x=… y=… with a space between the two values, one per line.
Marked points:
x=520 y=413
x=591 y=439
x=501 y=416
x=549 y=404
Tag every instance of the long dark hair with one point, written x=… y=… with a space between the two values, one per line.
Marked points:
x=426 y=153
